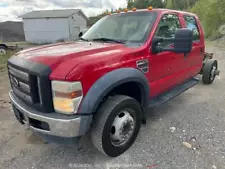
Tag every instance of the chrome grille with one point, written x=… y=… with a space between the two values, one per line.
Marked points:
x=18 y=73
x=21 y=83
x=30 y=83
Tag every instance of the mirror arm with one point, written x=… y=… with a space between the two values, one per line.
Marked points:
x=156 y=49
x=167 y=50
x=168 y=40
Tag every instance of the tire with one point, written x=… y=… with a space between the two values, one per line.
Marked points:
x=2 y=50
x=105 y=127
x=208 y=76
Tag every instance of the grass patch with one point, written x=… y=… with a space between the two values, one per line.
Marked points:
x=4 y=58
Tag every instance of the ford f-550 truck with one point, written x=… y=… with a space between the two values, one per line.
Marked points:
x=105 y=82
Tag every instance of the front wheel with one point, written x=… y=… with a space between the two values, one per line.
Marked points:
x=116 y=125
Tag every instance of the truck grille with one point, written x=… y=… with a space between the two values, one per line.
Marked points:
x=24 y=85
x=30 y=83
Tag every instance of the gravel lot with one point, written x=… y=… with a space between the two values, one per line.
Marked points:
x=197 y=116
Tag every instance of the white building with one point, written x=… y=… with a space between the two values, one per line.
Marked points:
x=53 y=25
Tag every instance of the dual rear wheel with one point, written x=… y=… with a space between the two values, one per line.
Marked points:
x=210 y=70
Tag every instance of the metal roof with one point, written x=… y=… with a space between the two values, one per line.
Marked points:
x=61 y=13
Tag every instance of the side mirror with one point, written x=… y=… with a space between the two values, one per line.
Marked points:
x=182 y=42
x=80 y=34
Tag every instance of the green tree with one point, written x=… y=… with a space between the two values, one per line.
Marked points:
x=179 y=4
x=156 y=3
x=211 y=14
x=169 y=4
x=130 y=4
x=142 y=4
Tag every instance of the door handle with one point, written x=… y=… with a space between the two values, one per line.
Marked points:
x=195 y=44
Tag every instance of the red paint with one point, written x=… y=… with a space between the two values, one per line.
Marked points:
x=87 y=62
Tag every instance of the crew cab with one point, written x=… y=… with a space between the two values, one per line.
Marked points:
x=105 y=83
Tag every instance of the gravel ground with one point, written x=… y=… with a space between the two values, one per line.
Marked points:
x=197 y=117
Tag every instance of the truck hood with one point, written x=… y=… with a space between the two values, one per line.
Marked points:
x=54 y=54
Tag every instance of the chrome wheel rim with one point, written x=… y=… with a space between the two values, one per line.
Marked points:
x=122 y=128
x=2 y=51
x=212 y=74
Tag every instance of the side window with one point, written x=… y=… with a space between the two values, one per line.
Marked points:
x=167 y=27
x=191 y=24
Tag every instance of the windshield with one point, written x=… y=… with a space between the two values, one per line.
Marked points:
x=125 y=27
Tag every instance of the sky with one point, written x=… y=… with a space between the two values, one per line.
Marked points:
x=12 y=9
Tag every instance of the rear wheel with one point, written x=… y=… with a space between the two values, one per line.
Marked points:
x=116 y=125
x=210 y=70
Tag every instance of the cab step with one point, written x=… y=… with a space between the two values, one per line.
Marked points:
x=177 y=90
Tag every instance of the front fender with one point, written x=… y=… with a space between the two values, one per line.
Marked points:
x=108 y=82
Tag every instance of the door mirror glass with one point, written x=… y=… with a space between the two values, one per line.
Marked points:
x=183 y=41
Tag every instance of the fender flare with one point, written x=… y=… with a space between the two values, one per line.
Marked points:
x=108 y=82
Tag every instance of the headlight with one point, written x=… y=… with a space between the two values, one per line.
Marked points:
x=66 y=96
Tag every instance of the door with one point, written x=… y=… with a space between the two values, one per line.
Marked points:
x=164 y=65
x=194 y=59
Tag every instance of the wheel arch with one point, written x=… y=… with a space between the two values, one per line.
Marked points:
x=105 y=86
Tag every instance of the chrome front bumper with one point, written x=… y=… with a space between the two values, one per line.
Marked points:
x=57 y=124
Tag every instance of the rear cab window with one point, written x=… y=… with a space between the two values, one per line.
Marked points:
x=191 y=23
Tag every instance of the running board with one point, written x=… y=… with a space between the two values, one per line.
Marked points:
x=172 y=93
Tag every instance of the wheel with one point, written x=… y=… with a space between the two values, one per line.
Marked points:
x=2 y=50
x=209 y=71
x=116 y=125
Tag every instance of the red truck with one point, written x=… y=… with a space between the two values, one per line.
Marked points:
x=105 y=83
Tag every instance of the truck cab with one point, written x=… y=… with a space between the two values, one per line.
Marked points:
x=105 y=82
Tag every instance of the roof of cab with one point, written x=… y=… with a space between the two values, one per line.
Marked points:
x=163 y=10
x=160 y=10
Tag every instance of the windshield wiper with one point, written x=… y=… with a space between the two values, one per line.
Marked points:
x=84 y=39
x=108 y=40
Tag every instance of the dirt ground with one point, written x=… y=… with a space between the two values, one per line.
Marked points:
x=197 y=117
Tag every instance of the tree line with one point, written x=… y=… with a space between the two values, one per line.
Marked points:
x=210 y=12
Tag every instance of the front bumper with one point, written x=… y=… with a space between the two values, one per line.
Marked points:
x=53 y=124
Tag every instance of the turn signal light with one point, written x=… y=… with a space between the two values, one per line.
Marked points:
x=70 y=95
x=63 y=105
x=66 y=96
x=150 y=8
